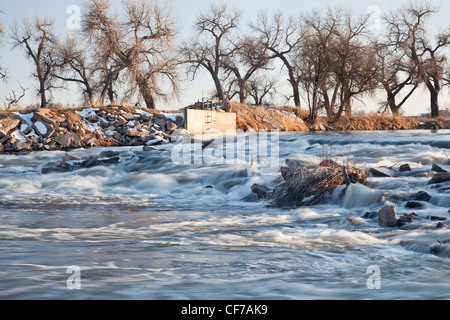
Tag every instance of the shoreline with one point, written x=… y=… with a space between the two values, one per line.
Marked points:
x=69 y=129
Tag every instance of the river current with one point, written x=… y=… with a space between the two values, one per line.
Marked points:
x=149 y=228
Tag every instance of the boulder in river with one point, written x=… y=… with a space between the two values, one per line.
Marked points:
x=413 y=205
x=378 y=174
x=388 y=216
x=437 y=168
x=422 y=196
x=404 y=168
x=405 y=219
x=92 y=162
x=439 y=178
x=262 y=192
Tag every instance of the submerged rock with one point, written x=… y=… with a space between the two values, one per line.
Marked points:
x=378 y=174
x=439 y=178
x=109 y=154
x=413 y=205
x=404 y=168
x=422 y=196
x=72 y=157
x=148 y=148
x=437 y=218
x=355 y=221
x=92 y=162
x=370 y=215
x=252 y=197
x=405 y=219
x=437 y=168
x=262 y=192
x=59 y=167
x=441 y=225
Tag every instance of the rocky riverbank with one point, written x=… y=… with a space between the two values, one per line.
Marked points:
x=47 y=129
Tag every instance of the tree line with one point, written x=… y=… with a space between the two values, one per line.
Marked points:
x=330 y=58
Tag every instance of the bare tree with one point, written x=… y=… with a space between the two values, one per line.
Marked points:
x=248 y=56
x=282 y=36
x=74 y=65
x=351 y=64
x=37 y=39
x=142 y=44
x=109 y=74
x=210 y=47
x=261 y=87
x=407 y=32
x=395 y=75
x=314 y=58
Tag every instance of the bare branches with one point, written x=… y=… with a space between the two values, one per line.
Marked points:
x=282 y=36
x=13 y=100
x=37 y=39
x=74 y=66
x=247 y=56
x=211 y=48
x=335 y=62
x=141 y=44
x=408 y=33
x=262 y=89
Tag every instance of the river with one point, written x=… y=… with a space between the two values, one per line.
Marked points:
x=150 y=228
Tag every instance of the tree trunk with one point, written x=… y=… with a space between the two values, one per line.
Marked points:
x=392 y=105
x=149 y=101
x=348 y=109
x=146 y=92
x=242 y=91
x=434 y=99
x=296 y=93
x=112 y=100
x=43 y=95
x=434 y=105
x=90 y=94
x=219 y=88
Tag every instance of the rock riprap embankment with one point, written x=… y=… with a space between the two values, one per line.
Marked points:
x=47 y=129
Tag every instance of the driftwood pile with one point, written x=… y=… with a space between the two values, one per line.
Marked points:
x=307 y=185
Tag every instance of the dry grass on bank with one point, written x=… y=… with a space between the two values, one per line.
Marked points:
x=285 y=119
x=264 y=118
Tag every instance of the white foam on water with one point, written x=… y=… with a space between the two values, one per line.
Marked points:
x=441 y=200
x=314 y=238
x=308 y=214
x=358 y=195
x=147 y=181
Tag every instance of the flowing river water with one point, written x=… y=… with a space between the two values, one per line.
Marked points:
x=149 y=228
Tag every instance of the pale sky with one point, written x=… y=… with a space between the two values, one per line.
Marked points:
x=19 y=67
